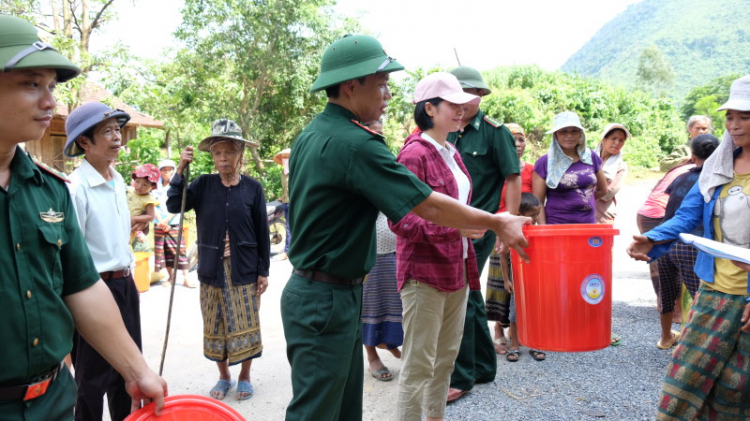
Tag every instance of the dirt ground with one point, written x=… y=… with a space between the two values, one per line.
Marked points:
x=188 y=372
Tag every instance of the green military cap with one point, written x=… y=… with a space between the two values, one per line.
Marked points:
x=21 y=48
x=352 y=57
x=471 y=78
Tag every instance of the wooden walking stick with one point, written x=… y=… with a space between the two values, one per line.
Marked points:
x=173 y=278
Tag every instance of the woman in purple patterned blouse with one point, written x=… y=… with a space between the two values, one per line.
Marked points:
x=568 y=179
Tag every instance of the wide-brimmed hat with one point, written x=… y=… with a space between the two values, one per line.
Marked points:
x=225 y=129
x=613 y=126
x=21 y=48
x=515 y=128
x=566 y=119
x=739 y=95
x=164 y=163
x=84 y=118
x=471 y=78
x=279 y=157
x=445 y=86
x=352 y=57
x=148 y=171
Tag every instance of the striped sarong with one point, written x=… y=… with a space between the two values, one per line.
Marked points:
x=708 y=376
x=381 y=305
x=498 y=299
x=231 y=326
x=165 y=244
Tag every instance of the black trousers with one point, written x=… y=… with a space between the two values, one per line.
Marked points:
x=94 y=375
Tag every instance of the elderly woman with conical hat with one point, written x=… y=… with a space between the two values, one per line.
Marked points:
x=707 y=377
x=233 y=253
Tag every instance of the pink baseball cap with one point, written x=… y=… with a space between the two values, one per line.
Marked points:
x=445 y=86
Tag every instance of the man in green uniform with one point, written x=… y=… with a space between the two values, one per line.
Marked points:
x=49 y=281
x=488 y=150
x=341 y=174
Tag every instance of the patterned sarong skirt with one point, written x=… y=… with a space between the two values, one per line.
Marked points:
x=231 y=326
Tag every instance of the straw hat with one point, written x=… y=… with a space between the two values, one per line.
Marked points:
x=279 y=157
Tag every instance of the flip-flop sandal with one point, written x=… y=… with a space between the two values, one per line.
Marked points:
x=222 y=386
x=537 y=355
x=616 y=340
x=244 y=387
x=381 y=373
x=675 y=337
x=513 y=355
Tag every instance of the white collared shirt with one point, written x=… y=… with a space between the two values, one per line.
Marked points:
x=103 y=215
x=464 y=185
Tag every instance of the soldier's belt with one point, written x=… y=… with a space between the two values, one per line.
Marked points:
x=32 y=389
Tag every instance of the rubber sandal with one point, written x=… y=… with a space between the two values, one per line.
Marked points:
x=537 y=355
x=513 y=355
x=616 y=340
x=675 y=337
x=244 y=387
x=222 y=386
x=455 y=394
x=378 y=374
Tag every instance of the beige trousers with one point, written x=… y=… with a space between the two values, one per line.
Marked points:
x=433 y=327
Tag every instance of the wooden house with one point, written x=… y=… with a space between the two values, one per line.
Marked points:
x=49 y=149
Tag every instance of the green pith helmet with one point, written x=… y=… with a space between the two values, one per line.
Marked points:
x=471 y=78
x=21 y=48
x=352 y=57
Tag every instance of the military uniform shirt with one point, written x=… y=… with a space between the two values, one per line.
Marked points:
x=341 y=173
x=488 y=150
x=43 y=258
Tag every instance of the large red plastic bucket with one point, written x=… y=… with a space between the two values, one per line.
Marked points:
x=188 y=408
x=564 y=294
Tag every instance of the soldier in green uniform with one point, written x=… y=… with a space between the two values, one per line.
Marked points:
x=488 y=150
x=341 y=174
x=49 y=281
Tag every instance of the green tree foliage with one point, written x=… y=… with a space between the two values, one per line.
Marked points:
x=531 y=97
x=702 y=40
x=254 y=61
x=654 y=71
x=707 y=98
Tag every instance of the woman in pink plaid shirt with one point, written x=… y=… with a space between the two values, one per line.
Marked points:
x=436 y=265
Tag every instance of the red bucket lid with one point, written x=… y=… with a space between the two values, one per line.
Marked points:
x=188 y=407
x=570 y=230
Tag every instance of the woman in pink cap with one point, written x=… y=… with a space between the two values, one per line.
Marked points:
x=436 y=265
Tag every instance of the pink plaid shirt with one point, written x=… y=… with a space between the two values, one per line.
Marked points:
x=427 y=252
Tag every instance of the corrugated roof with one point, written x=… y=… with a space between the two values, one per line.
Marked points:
x=94 y=92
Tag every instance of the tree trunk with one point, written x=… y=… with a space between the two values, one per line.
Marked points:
x=55 y=15
x=168 y=144
x=259 y=166
x=67 y=6
x=85 y=26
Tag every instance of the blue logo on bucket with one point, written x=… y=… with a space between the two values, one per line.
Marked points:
x=596 y=241
x=592 y=289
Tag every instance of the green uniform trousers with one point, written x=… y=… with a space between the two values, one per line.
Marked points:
x=476 y=361
x=323 y=331
x=55 y=405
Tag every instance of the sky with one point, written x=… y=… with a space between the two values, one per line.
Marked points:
x=418 y=33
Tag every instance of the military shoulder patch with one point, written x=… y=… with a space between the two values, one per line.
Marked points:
x=492 y=122
x=53 y=172
x=366 y=128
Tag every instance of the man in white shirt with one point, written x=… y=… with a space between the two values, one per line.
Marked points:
x=98 y=193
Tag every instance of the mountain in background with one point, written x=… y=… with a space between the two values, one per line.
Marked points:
x=701 y=40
